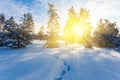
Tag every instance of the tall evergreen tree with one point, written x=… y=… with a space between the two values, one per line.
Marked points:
x=85 y=25
x=15 y=36
x=53 y=27
x=2 y=21
x=106 y=35
x=12 y=32
x=10 y=24
x=98 y=39
x=69 y=33
x=84 y=22
x=28 y=23
x=100 y=28
x=110 y=28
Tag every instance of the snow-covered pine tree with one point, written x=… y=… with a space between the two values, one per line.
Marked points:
x=15 y=36
x=28 y=26
x=28 y=23
x=2 y=21
x=106 y=35
x=12 y=39
x=53 y=27
x=111 y=34
x=10 y=24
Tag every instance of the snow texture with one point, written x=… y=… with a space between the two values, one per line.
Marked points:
x=71 y=62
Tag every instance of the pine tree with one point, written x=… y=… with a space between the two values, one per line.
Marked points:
x=69 y=33
x=10 y=29
x=28 y=26
x=2 y=21
x=110 y=28
x=28 y=23
x=106 y=35
x=100 y=28
x=53 y=27
x=41 y=33
x=84 y=22
x=10 y=24
x=86 y=27
x=15 y=36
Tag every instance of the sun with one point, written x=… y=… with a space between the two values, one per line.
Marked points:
x=78 y=30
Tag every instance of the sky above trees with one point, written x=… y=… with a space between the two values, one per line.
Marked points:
x=106 y=9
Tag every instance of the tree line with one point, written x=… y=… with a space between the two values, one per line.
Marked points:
x=78 y=29
x=16 y=35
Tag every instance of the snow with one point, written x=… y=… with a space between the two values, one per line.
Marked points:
x=72 y=62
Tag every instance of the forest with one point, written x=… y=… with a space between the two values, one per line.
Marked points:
x=77 y=30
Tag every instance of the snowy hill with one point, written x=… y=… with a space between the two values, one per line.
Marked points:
x=72 y=62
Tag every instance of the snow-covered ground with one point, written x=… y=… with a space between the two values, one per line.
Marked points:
x=71 y=62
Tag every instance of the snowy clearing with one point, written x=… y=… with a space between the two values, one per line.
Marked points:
x=65 y=63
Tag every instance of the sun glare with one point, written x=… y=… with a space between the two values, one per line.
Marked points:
x=78 y=30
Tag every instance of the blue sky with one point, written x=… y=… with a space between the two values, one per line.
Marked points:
x=106 y=9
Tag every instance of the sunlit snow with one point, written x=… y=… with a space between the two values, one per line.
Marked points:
x=72 y=62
